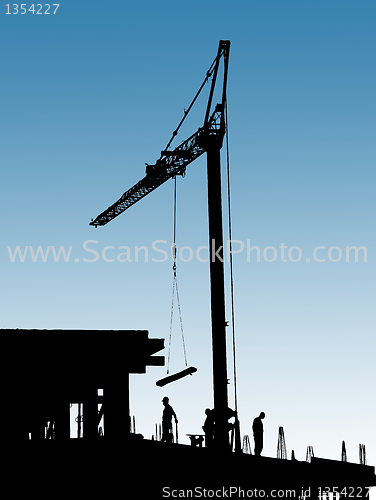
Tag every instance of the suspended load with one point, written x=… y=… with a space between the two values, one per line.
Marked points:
x=171 y=378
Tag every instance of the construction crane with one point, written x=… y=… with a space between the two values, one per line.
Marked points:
x=172 y=163
x=208 y=139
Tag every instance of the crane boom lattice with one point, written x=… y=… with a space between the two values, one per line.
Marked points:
x=170 y=164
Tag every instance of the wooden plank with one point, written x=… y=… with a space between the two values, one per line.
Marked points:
x=176 y=376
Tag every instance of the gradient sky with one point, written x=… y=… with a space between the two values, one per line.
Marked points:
x=92 y=93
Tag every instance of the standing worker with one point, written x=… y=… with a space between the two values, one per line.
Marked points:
x=258 y=433
x=167 y=415
x=208 y=427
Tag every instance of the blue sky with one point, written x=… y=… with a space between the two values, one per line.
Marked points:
x=92 y=93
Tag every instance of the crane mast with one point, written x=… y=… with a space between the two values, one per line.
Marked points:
x=209 y=139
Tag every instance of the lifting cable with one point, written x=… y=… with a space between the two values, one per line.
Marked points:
x=191 y=370
x=175 y=289
x=230 y=250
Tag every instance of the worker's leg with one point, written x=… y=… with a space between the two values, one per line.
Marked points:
x=258 y=445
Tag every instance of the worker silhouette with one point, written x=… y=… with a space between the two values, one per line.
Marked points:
x=168 y=413
x=258 y=433
x=210 y=424
x=208 y=427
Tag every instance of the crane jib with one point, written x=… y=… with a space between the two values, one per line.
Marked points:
x=170 y=164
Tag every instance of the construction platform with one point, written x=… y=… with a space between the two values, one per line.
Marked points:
x=140 y=468
x=42 y=382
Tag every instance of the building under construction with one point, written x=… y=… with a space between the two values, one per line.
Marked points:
x=110 y=458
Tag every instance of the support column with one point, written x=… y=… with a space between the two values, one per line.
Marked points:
x=62 y=421
x=116 y=410
x=90 y=414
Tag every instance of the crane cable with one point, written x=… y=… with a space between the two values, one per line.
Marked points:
x=186 y=111
x=230 y=250
x=175 y=289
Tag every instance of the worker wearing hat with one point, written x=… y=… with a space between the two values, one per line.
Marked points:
x=167 y=415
